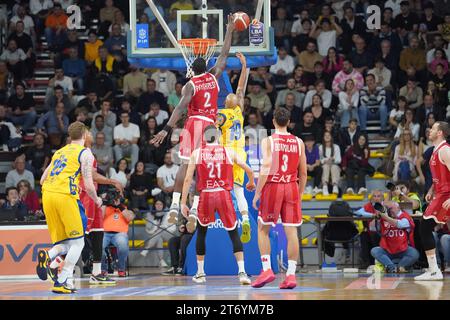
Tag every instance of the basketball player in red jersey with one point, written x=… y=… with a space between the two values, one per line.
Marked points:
x=94 y=229
x=281 y=183
x=438 y=197
x=214 y=165
x=199 y=96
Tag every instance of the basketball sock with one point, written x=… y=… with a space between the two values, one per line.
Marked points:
x=241 y=266
x=96 y=268
x=292 y=266
x=200 y=265
x=245 y=217
x=432 y=263
x=176 y=198
x=75 y=248
x=56 y=262
x=265 y=259
x=57 y=250
x=195 y=203
x=240 y=198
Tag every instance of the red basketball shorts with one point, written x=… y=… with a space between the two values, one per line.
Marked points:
x=435 y=210
x=191 y=136
x=94 y=214
x=280 y=199
x=220 y=202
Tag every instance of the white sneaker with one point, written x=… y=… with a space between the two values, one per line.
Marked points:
x=316 y=191
x=335 y=189
x=199 y=278
x=173 y=213
x=308 y=190
x=244 y=279
x=349 y=191
x=192 y=221
x=430 y=276
x=163 y=264
x=325 y=190
x=144 y=253
x=362 y=191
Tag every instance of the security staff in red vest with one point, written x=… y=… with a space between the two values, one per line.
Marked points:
x=397 y=239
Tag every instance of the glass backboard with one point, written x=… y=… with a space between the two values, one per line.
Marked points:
x=157 y=25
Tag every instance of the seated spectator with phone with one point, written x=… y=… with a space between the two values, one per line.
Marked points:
x=13 y=208
x=397 y=238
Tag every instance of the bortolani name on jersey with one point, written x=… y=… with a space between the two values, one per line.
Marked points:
x=290 y=148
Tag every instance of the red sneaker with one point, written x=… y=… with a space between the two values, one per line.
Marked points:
x=122 y=274
x=264 y=278
x=289 y=283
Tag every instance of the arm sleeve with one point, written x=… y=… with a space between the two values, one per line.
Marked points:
x=337 y=154
x=403 y=224
x=343 y=101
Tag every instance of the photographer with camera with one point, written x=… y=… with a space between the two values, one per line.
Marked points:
x=115 y=224
x=402 y=194
x=397 y=238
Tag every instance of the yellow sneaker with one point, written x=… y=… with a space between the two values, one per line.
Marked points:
x=379 y=268
x=62 y=288
x=246 y=231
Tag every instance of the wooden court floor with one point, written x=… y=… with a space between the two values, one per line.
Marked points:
x=311 y=286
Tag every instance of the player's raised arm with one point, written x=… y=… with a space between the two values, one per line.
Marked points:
x=188 y=182
x=186 y=95
x=302 y=170
x=240 y=91
x=87 y=165
x=265 y=169
x=222 y=58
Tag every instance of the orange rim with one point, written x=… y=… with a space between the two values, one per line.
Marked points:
x=199 y=45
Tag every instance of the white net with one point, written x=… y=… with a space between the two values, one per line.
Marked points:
x=192 y=49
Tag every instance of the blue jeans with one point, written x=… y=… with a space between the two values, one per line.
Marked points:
x=365 y=114
x=405 y=259
x=346 y=115
x=404 y=171
x=55 y=41
x=443 y=246
x=27 y=121
x=120 y=241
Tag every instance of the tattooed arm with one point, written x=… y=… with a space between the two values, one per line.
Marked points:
x=87 y=165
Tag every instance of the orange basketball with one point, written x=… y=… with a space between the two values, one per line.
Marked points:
x=241 y=20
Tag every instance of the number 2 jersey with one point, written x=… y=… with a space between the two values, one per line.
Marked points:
x=65 y=169
x=204 y=99
x=214 y=168
x=285 y=158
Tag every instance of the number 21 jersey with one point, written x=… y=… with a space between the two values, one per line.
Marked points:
x=285 y=158
x=214 y=168
x=204 y=99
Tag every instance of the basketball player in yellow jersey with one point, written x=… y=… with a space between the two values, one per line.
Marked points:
x=63 y=210
x=231 y=122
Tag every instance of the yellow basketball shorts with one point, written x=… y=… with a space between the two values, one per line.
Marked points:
x=238 y=172
x=65 y=216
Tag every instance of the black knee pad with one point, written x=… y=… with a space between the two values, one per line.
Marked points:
x=426 y=234
x=200 y=244
x=96 y=238
x=237 y=244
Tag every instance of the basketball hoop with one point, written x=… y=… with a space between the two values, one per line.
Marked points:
x=196 y=48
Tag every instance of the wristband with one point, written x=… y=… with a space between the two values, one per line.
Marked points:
x=167 y=128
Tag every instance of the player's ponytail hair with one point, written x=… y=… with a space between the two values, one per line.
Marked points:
x=76 y=130
x=444 y=127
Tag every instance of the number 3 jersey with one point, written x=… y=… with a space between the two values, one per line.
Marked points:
x=65 y=168
x=231 y=122
x=285 y=157
x=204 y=99
x=214 y=168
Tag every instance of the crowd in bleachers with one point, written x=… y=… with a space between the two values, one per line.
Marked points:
x=346 y=86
